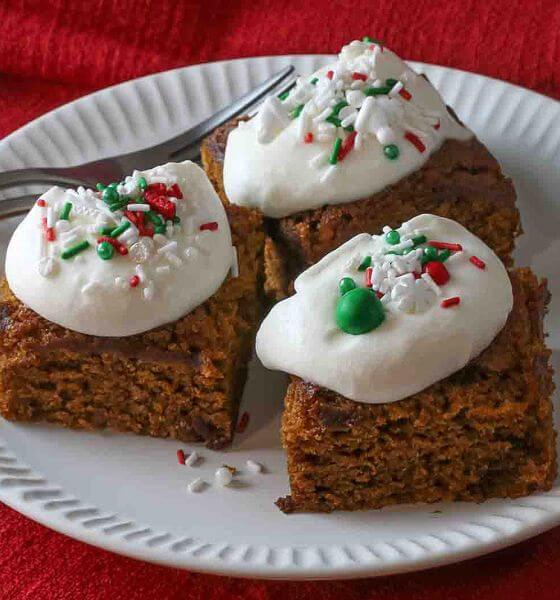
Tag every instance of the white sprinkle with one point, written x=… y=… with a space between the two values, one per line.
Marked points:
x=253 y=466
x=45 y=266
x=138 y=207
x=396 y=88
x=192 y=459
x=433 y=285
x=149 y=291
x=174 y=259
x=196 y=485
x=68 y=240
x=163 y=270
x=140 y=272
x=328 y=173
x=318 y=160
x=169 y=247
x=234 y=262
x=223 y=476
x=456 y=257
x=62 y=226
x=191 y=252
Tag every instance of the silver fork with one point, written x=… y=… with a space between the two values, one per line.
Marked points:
x=185 y=146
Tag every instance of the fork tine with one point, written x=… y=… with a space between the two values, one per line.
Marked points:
x=192 y=150
x=196 y=133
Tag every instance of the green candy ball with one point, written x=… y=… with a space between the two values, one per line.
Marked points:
x=105 y=250
x=359 y=311
x=391 y=151
x=110 y=195
x=430 y=253
x=346 y=284
x=393 y=237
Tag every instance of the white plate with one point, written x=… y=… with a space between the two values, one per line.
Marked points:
x=128 y=494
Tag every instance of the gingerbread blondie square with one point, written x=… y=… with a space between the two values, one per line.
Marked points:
x=182 y=380
x=486 y=431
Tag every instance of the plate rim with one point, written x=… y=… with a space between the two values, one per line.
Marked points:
x=404 y=563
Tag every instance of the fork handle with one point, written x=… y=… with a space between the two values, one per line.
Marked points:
x=26 y=176
x=11 y=207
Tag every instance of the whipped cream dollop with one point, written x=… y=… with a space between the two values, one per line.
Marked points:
x=342 y=134
x=125 y=259
x=428 y=330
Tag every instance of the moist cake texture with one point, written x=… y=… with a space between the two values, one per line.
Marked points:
x=486 y=431
x=181 y=380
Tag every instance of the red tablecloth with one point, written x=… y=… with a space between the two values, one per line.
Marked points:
x=56 y=50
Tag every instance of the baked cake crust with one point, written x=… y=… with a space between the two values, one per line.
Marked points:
x=486 y=431
x=461 y=181
x=183 y=380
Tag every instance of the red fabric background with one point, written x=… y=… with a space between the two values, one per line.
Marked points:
x=54 y=51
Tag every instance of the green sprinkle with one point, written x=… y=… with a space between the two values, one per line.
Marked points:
x=334 y=120
x=345 y=285
x=176 y=220
x=283 y=95
x=297 y=111
x=118 y=205
x=65 y=212
x=73 y=250
x=105 y=231
x=333 y=159
x=391 y=151
x=419 y=239
x=366 y=39
x=142 y=183
x=393 y=237
x=314 y=81
x=429 y=255
x=154 y=217
x=160 y=229
x=120 y=229
x=365 y=263
x=349 y=128
x=105 y=251
x=338 y=107
x=391 y=82
x=100 y=187
x=444 y=255
x=377 y=91
x=110 y=195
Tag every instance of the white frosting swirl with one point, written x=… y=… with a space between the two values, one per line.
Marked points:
x=171 y=273
x=409 y=351
x=269 y=165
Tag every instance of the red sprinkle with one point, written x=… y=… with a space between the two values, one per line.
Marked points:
x=330 y=74
x=416 y=275
x=437 y=271
x=359 y=76
x=161 y=204
x=308 y=139
x=120 y=248
x=243 y=422
x=379 y=294
x=477 y=262
x=211 y=226
x=134 y=281
x=450 y=302
x=445 y=246
x=415 y=141
x=347 y=145
x=41 y=202
x=50 y=234
x=369 y=271
x=437 y=125
x=158 y=188
x=181 y=457
x=405 y=94
x=175 y=191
